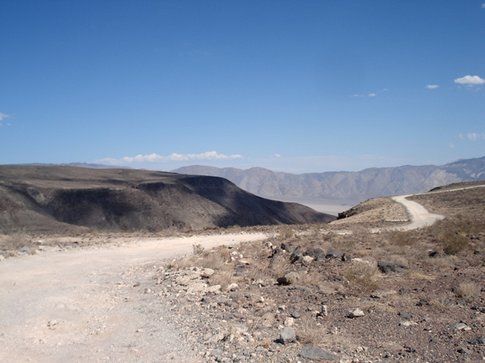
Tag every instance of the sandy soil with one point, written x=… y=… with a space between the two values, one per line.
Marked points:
x=86 y=304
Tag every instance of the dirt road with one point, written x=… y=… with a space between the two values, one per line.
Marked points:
x=86 y=304
x=420 y=217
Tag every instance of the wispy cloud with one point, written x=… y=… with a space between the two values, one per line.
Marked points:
x=483 y=6
x=432 y=86
x=472 y=136
x=157 y=158
x=370 y=94
x=469 y=80
x=3 y=117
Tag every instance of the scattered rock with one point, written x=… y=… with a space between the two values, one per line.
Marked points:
x=52 y=324
x=356 y=313
x=147 y=291
x=461 y=326
x=388 y=266
x=346 y=258
x=287 y=335
x=433 y=253
x=232 y=287
x=296 y=255
x=331 y=253
x=323 y=311
x=406 y=316
x=206 y=273
x=422 y=302
x=2 y=257
x=244 y=262
x=477 y=341
x=295 y=314
x=315 y=353
x=289 y=279
x=317 y=253
x=407 y=323
x=463 y=350
x=214 y=289
x=307 y=260
x=289 y=321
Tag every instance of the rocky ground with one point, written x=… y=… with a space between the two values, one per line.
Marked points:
x=316 y=294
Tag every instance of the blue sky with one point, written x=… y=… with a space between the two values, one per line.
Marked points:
x=289 y=85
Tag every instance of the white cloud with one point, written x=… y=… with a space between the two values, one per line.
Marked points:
x=370 y=94
x=483 y=6
x=432 y=86
x=154 y=158
x=3 y=116
x=472 y=136
x=469 y=80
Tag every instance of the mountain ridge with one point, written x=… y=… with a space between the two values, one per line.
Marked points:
x=63 y=198
x=346 y=186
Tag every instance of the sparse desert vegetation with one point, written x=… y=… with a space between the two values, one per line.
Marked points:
x=362 y=296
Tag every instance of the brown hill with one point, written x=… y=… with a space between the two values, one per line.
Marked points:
x=64 y=198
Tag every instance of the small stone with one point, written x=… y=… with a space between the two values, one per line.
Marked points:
x=407 y=323
x=356 y=313
x=315 y=353
x=214 y=289
x=461 y=326
x=52 y=324
x=147 y=291
x=295 y=314
x=387 y=267
x=463 y=350
x=406 y=316
x=307 y=260
x=422 y=302
x=346 y=258
x=244 y=262
x=232 y=287
x=477 y=341
x=289 y=321
x=289 y=279
x=323 y=311
x=206 y=273
x=432 y=253
x=287 y=335
x=333 y=254
x=317 y=253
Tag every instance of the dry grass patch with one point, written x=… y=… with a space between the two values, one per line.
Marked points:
x=362 y=276
x=309 y=332
x=467 y=291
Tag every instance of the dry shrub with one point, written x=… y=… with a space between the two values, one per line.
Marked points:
x=14 y=242
x=223 y=278
x=402 y=238
x=197 y=249
x=217 y=259
x=287 y=232
x=453 y=234
x=453 y=242
x=308 y=332
x=362 y=276
x=468 y=291
x=280 y=265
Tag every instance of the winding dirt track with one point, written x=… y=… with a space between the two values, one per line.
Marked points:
x=420 y=217
x=85 y=305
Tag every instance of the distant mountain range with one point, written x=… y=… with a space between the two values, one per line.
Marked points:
x=343 y=186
